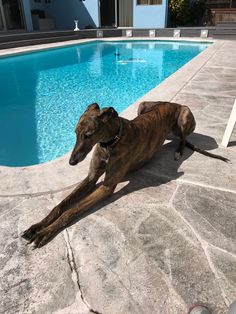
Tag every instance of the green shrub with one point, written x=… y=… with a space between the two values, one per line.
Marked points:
x=186 y=13
x=198 y=10
x=179 y=12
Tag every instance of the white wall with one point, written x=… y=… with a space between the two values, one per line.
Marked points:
x=150 y=16
x=65 y=12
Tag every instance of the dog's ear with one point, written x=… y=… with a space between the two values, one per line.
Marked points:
x=108 y=113
x=93 y=106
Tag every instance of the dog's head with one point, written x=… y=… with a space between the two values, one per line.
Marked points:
x=93 y=127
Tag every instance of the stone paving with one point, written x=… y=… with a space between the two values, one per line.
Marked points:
x=165 y=240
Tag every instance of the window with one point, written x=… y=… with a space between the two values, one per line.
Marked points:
x=149 y=2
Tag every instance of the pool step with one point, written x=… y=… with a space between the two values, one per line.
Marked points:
x=11 y=40
x=29 y=42
x=34 y=38
x=27 y=39
x=168 y=32
x=11 y=37
x=225 y=32
x=226 y=24
x=213 y=32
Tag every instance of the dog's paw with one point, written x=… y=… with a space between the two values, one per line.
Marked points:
x=41 y=238
x=31 y=232
x=177 y=155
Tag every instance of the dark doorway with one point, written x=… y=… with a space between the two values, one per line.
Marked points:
x=11 y=10
x=108 y=13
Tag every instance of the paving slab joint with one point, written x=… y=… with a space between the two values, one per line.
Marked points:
x=204 y=245
x=75 y=272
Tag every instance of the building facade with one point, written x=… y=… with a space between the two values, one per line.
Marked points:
x=60 y=14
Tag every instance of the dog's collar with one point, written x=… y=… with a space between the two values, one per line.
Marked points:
x=115 y=140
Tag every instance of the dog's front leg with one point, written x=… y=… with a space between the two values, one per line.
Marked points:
x=99 y=194
x=96 y=169
x=83 y=189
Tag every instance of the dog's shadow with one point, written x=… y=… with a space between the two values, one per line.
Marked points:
x=160 y=170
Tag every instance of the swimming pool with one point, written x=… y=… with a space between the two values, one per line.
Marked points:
x=43 y=94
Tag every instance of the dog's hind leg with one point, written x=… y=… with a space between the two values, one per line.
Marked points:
x=185 y=126
x=97 y=168
x=180 y=149
x=146 y=106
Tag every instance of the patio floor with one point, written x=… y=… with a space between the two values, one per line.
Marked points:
x=165 y=240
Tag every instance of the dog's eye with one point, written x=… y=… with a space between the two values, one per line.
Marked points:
x=87 y=135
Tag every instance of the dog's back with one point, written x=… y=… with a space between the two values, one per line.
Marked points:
x=147 y=106
x=179 y=117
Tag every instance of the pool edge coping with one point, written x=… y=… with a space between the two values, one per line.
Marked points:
x=9 y=52
x=37 y=179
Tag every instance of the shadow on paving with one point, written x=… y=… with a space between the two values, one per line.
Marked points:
x=231 y=144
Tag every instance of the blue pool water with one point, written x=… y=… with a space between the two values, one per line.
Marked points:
x=43 y=94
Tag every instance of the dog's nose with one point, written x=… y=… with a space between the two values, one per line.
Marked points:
x=72 y=161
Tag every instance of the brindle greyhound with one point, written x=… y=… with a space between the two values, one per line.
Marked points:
x=122 y=146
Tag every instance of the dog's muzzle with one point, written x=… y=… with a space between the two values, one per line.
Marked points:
x=76 y=158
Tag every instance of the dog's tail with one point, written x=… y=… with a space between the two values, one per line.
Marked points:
x=204 y=152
